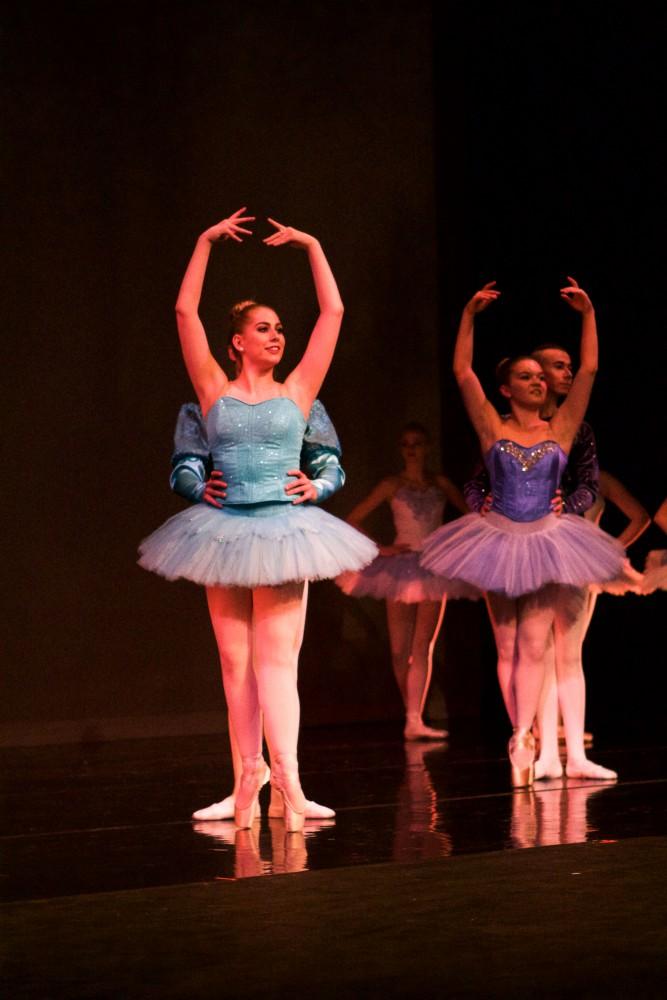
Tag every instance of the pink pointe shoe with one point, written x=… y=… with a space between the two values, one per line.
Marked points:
x=285 y=781
x=247 y=797
x=587 y=769
x=313 y=809
x=521 y=749
x=548 y=770
x=225 y=808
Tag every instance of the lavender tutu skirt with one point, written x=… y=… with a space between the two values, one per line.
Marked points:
x=513 y=558
x=400 y=578
x=254 y=545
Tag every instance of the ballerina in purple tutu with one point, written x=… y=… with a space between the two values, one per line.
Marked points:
x=415 y=598
x=522 y=553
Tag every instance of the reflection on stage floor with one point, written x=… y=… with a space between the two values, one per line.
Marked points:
x=116 y=816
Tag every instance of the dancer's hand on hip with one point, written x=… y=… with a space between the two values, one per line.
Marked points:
x=215 y=489
x=303 y=489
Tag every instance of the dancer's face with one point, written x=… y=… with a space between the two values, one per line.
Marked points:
x=261 y=339
x=526 y=383
x=414 y=447
x=557 y=367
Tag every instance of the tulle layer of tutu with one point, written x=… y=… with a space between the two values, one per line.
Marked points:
x=628 y=581
x=257 y=545
x=655 y=572
x=514 y=558
x=400 y=578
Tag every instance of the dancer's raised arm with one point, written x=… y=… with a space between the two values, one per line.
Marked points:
x=569 y=415
x=304 y=382
x=482 y=413
x=207 y=377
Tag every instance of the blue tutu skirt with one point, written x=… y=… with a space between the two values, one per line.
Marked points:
x=496 y=554
x=254 y=545
x=400 y=578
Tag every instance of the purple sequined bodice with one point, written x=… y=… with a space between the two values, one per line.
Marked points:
x=524 y=479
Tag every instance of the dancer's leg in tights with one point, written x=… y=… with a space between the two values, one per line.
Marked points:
x=503 y=618
x=401 y=620
x=298 y=640
x=574 y=607
x=413 y=632
x=548 y=764
x=231 y=611
x=277 y=620
x=535 y=615
x=529 y=618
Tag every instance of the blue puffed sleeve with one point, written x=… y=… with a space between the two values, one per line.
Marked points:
x=190 y=460
x=190 y=434
x=321 y=452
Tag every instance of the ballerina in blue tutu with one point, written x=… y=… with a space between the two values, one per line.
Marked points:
x=254 y=553
x=522 y=553
x=415 y=598
x=192 y=477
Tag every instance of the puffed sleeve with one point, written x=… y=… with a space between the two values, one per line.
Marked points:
x=476 y=490
x=190 y=433
x=190 y=459
x=581 y=481
x=321 y=453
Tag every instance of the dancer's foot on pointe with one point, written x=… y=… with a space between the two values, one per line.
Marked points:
x=587 y=769
x=225 y=808
x=546 y=770
x=313 y=809
x=521 y=750
x=416 y=729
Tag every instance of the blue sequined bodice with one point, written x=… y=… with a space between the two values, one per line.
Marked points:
x=254 y=444
x=524 y=479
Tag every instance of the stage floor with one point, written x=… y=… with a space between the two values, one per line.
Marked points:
x=434 y=880
x=115 y=816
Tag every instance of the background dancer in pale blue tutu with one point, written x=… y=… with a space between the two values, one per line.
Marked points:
x=415 y=598
x=523 y=554
x=255 y=552
x=193 y=478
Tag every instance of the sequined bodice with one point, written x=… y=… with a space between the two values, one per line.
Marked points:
x=524 y=479
x=254 y=444
x=416 y=514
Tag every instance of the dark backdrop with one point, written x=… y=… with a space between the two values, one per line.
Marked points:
x=429 y=151
x=551 y=163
